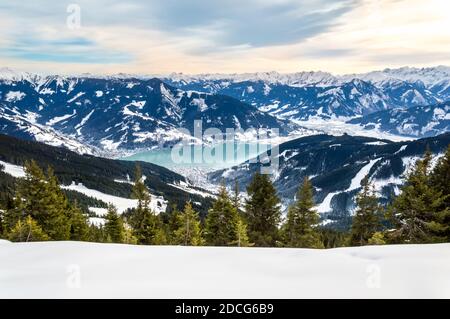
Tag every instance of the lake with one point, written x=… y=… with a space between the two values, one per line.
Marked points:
x=219 y=156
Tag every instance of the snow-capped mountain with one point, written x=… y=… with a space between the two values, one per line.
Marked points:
x=336 y=166
x=417 y=121
x=117 y=113
x=94 y=114
x=305 y=94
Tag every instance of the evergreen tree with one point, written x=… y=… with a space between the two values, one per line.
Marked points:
x=417 y=213
x=114 y=228
x=440 y=181
x=377 y=239
x=97 y=234
x=128 y=237
x=299 y=229
x=27 y=231
x=140 y=191
x=160 y=236
x=175 y=222
x=367 y=215
x=333 y=238
x=262 y=211
x=40 y=197
x=189 y=234
x=242 y=236
x=79 y=225
x=144 y=221
x=222 y=221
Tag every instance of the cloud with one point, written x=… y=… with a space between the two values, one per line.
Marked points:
x=204 y=36
x=222 y=24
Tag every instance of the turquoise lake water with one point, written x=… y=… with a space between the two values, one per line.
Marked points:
x=219 y=156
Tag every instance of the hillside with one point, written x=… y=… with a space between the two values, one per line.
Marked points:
x=417 y=121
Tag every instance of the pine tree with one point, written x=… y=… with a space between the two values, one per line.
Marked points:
x=97 y=234
x=160 y=236
x=222 y=221
x=417 y=211
x=440 y=181
x=144 y=221
x=140 y=191
x=189 y=234
x=40 y=197
x=79 y=225
x=242 y=236
x=128 y=237
x=175 y=222
x=299 y=229
x=367 y=215
x=114 y=228
x=262 y=211
x=27 y=231
x=377 y=239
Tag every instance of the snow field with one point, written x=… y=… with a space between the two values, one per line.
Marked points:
x=92 y=270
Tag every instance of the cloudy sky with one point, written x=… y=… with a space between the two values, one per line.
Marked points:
x=226 y=36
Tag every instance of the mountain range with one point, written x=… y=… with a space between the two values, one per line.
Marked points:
x=302 y=95
x=109 y=114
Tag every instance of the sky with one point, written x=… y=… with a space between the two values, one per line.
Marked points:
x=222 y=36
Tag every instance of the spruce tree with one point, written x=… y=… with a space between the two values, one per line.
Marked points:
x=367 y=215
x=40 y=197
x=161 y=236
x=144 y=221
x=175 y=222
x=440 y=181
x=189 y=233
x=114 y=228
x=262 y=211
x=418 y=211
x=128 y=236
x=299 y=230
x=242 y=236
x=377 y=239
x=79 y=225
x=27 y=231
x=222 y=221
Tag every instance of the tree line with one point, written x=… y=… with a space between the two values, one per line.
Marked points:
x=40 y=210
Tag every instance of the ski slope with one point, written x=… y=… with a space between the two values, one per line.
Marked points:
x=92 y=270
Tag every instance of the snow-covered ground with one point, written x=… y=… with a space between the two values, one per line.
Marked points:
x=90 y=270
x=13 y=170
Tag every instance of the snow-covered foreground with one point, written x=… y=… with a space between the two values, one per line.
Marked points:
x=90 y=270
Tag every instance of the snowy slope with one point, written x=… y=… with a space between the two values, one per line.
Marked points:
x=418 y=121
x=88 y=270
